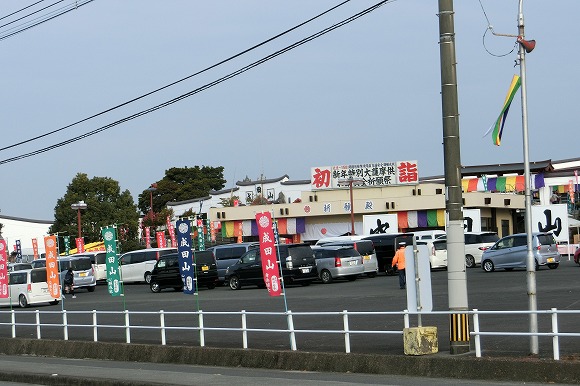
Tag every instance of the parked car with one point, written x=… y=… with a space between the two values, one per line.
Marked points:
x=28 y=287
x=18 y=266
x=84 y=276
x=366 y=249
x=511 y=252
x=475 y=244
x=384 y=245
x=297 y=260
x=99 y=262
x=166 y=273
x=438 y=253
x=577 y=256
x=227 y=255
x=337 y=261
x=136 y=266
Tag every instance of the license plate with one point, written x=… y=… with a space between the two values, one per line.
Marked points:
x=204 y=268
x=306 y=270
x=353 y=262
x=367 y=257
x=550 y=259
x=45 y=290
x=83 y=274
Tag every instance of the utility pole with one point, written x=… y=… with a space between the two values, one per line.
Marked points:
x=456 y=277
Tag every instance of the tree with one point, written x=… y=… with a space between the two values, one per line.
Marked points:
x=106 y=205
x=228 y=202
x=180 y=184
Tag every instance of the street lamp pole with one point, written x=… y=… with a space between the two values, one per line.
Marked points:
x=78 y=206
x=151 y=189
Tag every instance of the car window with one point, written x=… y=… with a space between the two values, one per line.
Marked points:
x=101 y=258
x=38 y=276
x=489 y=237
x=298 y=252
x=440 y=245
x=229 y=253
x=81 y=264
x=161 y=253
x=346 y=252
x=250 y=256
x=471 y=239
x=507 y=242
x=162 y=263
x=520 y=241
x=365 y=247
x=18 y=278
x=546 y=239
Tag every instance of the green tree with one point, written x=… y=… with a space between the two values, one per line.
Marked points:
x=228 y=202
x=180 y=184
x=106 y=205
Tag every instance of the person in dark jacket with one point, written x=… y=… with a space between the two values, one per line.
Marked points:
x=69 y=283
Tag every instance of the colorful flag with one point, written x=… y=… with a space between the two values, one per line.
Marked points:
x=114 y=284
x=500 y=122
x=268 y=253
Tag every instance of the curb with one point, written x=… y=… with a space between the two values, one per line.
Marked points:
x=437 y=366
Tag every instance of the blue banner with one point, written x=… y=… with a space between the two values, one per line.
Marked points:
x=184 y=250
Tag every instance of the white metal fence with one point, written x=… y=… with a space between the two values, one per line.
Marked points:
x=161 y=327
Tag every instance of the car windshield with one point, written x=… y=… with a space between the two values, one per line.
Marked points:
x=81 y=264
x=38 y=275
x=365 y=247
x=546 y=239
x=346 y=252
x=489 y=238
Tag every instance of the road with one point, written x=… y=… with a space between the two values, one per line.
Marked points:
x=499 y=290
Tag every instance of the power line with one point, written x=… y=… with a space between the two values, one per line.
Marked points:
x=178 y=81
x=30 y=14
x=20 y=10
x=202 y=88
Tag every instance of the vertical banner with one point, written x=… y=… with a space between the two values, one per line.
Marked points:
x=52 y=277
x=268 y=253
x=4 y=292
x=147 y=237
x=18 y=251
x=35 y=248
x=66 y=245
x=114 y=284
x=212 y=231
x=80 y=244
x=240 y=232
x=171 y=231
x=161 y=240
x=200 y=238
x=185 y=254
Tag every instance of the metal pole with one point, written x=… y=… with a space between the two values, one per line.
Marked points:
x=351 y=208
x=417 y=282
x=79 y=221
x=530 y=261
x=456 y=277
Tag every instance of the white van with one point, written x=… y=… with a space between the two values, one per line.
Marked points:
x=136 y=266
x=99 y=262
x=429 y=235
x=28 y=287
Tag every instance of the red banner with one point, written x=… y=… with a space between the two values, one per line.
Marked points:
x=80 y=244
x=147 y=237
x=4 y=292
x=171 y=230
x=52 y=266
x=268 y=253
x=35 y=248
x=161 y=240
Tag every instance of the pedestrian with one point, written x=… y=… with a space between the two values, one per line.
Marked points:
x=399 y=261
x=69 y=283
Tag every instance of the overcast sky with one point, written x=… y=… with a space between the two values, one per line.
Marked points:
x=366 y=92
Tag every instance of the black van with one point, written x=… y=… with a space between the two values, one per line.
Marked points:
x=166 y=272
x=385 y=248
x=298 y=266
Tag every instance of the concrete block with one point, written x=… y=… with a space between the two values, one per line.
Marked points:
x=420 y=340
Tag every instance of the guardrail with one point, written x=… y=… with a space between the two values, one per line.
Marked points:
x=291 y=330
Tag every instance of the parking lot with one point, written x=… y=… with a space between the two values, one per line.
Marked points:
x=501 y=290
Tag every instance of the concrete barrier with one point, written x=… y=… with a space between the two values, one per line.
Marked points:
x=437 y=365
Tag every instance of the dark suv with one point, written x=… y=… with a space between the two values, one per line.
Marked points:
x=166 y=272
x=298 y=266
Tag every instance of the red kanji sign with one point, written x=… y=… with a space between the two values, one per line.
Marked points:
x=268 y=253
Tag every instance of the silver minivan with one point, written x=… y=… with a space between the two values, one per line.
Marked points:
x=84 y=275
x=511 y=252
x=337 y=261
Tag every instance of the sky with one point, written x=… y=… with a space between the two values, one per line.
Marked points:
x=366 y=92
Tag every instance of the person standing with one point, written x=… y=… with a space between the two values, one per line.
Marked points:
x=399 y=261
x=69 y=283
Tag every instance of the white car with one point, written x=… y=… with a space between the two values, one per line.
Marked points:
x=438 y=253
x=475 y=244
x=28 y=287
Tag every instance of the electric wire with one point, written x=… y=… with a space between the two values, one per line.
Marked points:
x=45 y=18
x=490 y=28
x=30 y=14
x=202 y=88
x=21 y=9
x=177 y=81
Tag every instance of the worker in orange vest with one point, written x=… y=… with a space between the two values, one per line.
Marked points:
x=399 y=261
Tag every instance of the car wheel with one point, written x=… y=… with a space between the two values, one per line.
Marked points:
x=211 y=286
x=234 y=283
x=155 y=287
x=22 y=302
x=469 y=261
x=553 y=265
x=351 y=277
x=487 y=266
x=54 y=302
x=325 y=276
x=147 y=277
x=91 y=289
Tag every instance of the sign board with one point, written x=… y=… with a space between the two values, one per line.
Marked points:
x=472 y=220
x=185 y=253
x=551 y=218
x=268 y=253
x=422 y=276
x=114 y=284
x=381 y=223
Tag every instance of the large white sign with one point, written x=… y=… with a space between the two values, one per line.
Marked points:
x=551 y=218
x=471 y=220
x=380 y=223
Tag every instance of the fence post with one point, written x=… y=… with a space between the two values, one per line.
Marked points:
x=406 y=319
x=37 y=312
x=244 y=329
x=127 y=327
x=65 y=325
x=13 y=320
x=476 y=333
x=346 y=331
x=162 y=324
x=95 y=336
x=201 y=331
x=555 y=338
x=291 y=329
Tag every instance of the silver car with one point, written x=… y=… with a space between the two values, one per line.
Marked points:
x=338 y=261
x=511 y=252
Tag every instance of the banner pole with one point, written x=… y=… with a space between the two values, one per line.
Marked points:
x=277 y=240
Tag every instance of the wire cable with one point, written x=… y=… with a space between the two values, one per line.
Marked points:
x=30 y=14
x=177 y=81
x=490 y=28
x=20 y=10
x=202 y=88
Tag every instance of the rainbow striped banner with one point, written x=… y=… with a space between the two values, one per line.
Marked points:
x=500 y=122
